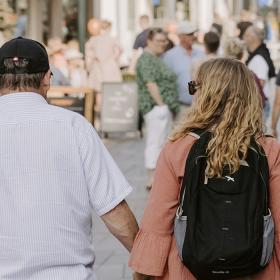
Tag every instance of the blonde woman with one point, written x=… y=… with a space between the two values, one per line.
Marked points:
x=228 y=104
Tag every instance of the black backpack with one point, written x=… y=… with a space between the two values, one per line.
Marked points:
x=223 y=226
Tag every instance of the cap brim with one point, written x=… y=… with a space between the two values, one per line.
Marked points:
x=189 y=32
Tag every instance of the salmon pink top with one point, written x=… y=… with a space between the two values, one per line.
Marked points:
x=154 y=251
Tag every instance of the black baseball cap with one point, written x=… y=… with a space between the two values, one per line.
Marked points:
x=31 y=50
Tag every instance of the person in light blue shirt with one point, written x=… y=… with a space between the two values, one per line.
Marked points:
x=179 y=59
x=20 y=29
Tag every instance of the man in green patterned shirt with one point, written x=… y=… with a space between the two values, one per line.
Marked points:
x=157 y=97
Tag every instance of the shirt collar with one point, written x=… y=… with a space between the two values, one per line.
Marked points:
x=22 y=98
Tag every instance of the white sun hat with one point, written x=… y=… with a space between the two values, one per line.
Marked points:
x=186 y=27
x=73 y=54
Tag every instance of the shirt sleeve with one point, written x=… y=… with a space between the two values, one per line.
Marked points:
x=259 y=66
x=152 y=244
x=106 y=184
x=274 y=195
x=272 y=150
x=148 y=70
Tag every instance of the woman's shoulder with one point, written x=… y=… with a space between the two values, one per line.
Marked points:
x=176 y=152
x=180 y=143
x=272 y=149
x=91 y=40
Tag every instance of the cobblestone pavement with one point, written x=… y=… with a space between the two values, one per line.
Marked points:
x=111 y=256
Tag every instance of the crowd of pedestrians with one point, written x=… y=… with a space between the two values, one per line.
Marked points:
x=99 y=64
x=186 y=55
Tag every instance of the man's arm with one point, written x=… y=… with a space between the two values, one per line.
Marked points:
x=275 y=112
x=122 y=224
x=154 y=92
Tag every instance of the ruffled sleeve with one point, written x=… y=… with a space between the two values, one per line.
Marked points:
x=149 y=253
x=152 y=245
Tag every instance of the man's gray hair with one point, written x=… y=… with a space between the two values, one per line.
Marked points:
x=17 y=78
x=258 y=32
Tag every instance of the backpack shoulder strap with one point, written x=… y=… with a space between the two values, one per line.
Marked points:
x=263 y=167
x=196 y=152
x=195 y=135
x=265 y=135
x=269 y=136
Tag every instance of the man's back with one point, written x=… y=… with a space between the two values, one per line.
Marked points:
x=54 y=172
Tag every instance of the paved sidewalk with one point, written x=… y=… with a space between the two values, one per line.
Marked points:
x=111 y=257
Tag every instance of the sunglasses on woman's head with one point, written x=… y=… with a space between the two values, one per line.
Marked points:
x=193 y=87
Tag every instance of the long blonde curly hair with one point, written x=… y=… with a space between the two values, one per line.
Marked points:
x=228 y=103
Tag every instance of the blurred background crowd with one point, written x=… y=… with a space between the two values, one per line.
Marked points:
x=94 y=41
x=63 y=24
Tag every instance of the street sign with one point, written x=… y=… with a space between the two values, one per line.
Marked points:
x=119 y=109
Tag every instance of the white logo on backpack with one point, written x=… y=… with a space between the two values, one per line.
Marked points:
x=229 y=179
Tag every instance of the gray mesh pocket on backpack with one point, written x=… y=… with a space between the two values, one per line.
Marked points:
x=268 y=239
x=180 y=227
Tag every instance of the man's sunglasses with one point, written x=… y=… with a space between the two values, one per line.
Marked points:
x=193 y=87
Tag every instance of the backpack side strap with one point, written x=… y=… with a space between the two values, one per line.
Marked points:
x=269 y=136
x=265 y=135
x=194 y=135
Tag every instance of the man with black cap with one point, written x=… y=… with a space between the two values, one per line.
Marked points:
x=54 y=172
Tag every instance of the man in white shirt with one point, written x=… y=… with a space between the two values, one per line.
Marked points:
x=54 y=172
x=259 y=60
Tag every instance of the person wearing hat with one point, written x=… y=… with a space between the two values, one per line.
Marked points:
x=56 y=51
x=77 y=74
x=180 y=58
x=54 y=172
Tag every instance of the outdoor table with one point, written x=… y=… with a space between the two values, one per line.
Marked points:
x=89 y=97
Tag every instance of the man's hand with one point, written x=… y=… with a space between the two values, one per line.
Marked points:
x=155 y=93
x=139 y=276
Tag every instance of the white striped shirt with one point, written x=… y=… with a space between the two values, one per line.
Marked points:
x=53 y=171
